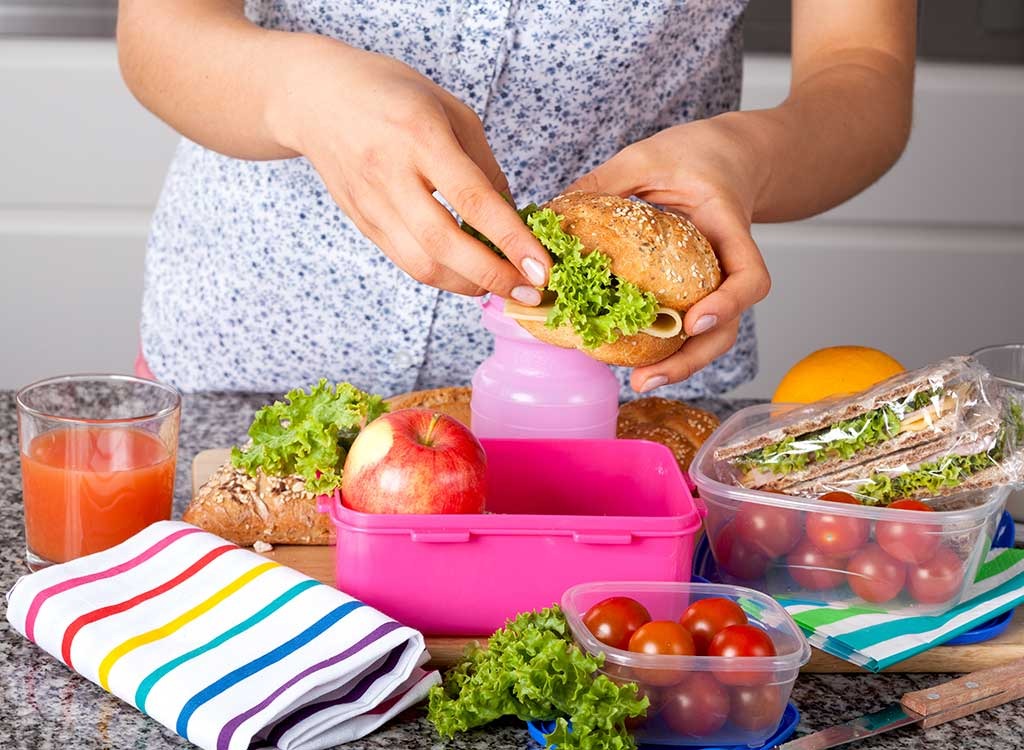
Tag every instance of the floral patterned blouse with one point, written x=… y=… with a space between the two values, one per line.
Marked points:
x=255 y=279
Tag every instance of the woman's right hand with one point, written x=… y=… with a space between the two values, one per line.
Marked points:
x=383 y=138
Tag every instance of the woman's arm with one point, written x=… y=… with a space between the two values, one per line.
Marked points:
x=845 y=122
x=208 y=72
x=382 y=136
x=847 y=117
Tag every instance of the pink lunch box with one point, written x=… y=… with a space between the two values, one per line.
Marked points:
x=560 y=512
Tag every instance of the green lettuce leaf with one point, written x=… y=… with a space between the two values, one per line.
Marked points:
x=843 y=439
x=598 y=305
x=946 y=472
x=1015 y=420
x=524 y=214
x=308 y=434
x=532 y=669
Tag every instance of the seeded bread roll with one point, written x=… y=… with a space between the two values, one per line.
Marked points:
x=452 y=401
x=681 y=427
x=661 y=252
x=244 y=509
x=631 y=351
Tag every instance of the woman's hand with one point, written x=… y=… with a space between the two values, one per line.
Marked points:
x=707 y=171
x=384 y=138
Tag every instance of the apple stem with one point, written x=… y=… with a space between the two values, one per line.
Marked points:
x=430 y=428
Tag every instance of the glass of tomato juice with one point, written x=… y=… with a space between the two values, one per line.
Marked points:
x=98 y=455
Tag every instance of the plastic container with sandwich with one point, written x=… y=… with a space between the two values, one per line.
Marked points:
x=559 y=512
x=767 y=540
x=706 y=701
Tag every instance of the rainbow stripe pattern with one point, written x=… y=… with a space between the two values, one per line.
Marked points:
x=221 y=645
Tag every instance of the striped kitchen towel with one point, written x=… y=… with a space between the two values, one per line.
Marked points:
x=221 y=645
x=875 y=639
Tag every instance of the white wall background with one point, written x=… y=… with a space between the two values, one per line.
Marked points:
x=928 y=262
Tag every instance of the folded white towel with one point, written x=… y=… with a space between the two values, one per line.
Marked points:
x=222 y=645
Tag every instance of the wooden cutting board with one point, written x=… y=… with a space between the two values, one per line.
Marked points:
x=318 y=562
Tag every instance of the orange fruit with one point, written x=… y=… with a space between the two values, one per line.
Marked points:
x=835 y=371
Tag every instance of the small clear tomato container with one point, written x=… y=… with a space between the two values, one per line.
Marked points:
x=803 y=548
x=698 y=700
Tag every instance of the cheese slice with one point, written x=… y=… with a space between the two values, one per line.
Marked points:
x=667 y=324
x=923 y=418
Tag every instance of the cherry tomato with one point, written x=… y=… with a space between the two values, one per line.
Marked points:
x=840 y=497
x=774 y=531
x=614 y=620
x=875 y=575
x=906 y=540
x=697 y=707
x=741 y=640
x=937 y=580
x=664 y=638
x=756 y=707
x=705 y=617
x=814 y=570
x=834 y=534
x=736 y=557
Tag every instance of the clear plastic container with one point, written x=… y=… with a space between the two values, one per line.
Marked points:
x=852 y=555
x=708 y=701
x=559 y=512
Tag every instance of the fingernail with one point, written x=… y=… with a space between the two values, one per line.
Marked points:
x=527 y=295
x=651 y=383
x=534 y=272
x=704 y=323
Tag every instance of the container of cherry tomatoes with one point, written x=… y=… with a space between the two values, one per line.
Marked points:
x=915 y=556
x=717 y=662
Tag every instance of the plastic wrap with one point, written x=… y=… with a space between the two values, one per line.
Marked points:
x=788 y=538
x=944 y=429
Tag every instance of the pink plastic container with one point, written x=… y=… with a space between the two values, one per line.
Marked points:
x=530 y=389
x=560 y=512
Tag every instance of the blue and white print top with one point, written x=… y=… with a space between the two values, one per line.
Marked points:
x=256 y=280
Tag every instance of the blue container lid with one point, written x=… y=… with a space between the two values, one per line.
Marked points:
x=790 y=718
x=704 y=567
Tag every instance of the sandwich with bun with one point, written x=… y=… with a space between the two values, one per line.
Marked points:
x=623 y=275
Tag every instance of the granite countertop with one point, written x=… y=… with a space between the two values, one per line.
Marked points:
x=44 y=705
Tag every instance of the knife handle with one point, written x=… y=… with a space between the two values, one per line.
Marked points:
x=968 y=694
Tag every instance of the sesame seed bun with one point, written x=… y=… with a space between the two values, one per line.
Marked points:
x=453 y=401
x=631 y=351
x=680 y=426
x=661 y=252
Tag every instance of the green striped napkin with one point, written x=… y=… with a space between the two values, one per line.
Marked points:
x=874 y=639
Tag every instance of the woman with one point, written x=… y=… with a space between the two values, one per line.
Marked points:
x=297 y=235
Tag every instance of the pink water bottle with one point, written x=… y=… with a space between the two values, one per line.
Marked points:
x=529 y=389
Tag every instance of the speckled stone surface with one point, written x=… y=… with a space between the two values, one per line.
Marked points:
x=43 y=705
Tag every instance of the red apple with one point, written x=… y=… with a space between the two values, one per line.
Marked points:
x=415 y=461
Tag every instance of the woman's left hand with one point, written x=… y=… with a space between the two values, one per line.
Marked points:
x=708 y=171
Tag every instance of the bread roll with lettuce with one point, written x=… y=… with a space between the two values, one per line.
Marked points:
x=623 y=275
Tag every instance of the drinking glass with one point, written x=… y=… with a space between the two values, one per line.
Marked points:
x=98 y=455
x=1006 y=364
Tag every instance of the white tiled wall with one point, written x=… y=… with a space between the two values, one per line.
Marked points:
x=928 y=262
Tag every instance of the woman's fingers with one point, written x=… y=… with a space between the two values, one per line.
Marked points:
x=695 y=354
x=469 y=132
x=405 y=250
x=745 y=276
x=450 y=248
x=463 y=184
